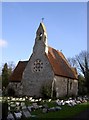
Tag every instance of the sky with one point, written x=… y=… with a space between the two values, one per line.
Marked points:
x=66 y=25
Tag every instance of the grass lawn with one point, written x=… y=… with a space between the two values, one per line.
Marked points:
x=65 y=112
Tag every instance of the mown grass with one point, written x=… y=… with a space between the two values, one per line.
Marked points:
x=64 y=113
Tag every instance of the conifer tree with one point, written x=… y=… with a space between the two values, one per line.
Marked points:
x=5 y=76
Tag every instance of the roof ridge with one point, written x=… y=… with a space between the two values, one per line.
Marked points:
x=23 y=61
x=62 y=57
x=59 y=63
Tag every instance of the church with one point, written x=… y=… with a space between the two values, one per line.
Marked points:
x=45 y=67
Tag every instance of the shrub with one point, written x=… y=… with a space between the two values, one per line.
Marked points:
x=46 y=91
x=11 y=92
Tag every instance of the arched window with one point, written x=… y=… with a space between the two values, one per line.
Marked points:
x=70 y=85
x=40 y=36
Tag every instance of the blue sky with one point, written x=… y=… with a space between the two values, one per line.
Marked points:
x=66 y=25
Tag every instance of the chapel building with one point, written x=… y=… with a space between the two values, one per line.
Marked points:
x=45 y=67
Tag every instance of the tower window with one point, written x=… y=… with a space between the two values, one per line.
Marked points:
x=40 y=36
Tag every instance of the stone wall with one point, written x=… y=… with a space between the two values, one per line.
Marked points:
x=60 y=86
x=33 y=80
x=65 y=86
x=73 y=87
x=17 y=87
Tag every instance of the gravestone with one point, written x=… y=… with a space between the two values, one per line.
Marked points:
x=18 y=115
x=35 y=105
x=26 y=113
x=10 y=117
x=30 y=108
x=45 y=110
x=57 y=108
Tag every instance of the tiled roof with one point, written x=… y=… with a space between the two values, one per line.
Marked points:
x=58 y=62
x=16 y=76
x=60 y=65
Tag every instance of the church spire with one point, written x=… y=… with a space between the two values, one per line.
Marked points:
x=41 y=37
x=41 y=33
x=41 y=29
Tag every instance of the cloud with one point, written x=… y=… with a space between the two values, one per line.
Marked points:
x=3 y=43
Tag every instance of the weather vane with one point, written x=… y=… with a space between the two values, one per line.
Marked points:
x=42 y=19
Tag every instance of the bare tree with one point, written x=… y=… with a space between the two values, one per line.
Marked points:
x=81 y=62
x=72 y=62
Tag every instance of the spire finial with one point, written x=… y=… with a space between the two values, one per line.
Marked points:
x=42 y=19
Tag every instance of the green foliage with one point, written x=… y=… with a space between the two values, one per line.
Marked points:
x=81 y=85
x=11 y=92
x=6 y=72
x=81 y=62
x=65 y=113
x=46 y=91
x=5 y=76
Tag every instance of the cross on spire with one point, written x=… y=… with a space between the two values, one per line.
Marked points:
x=42 y=19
